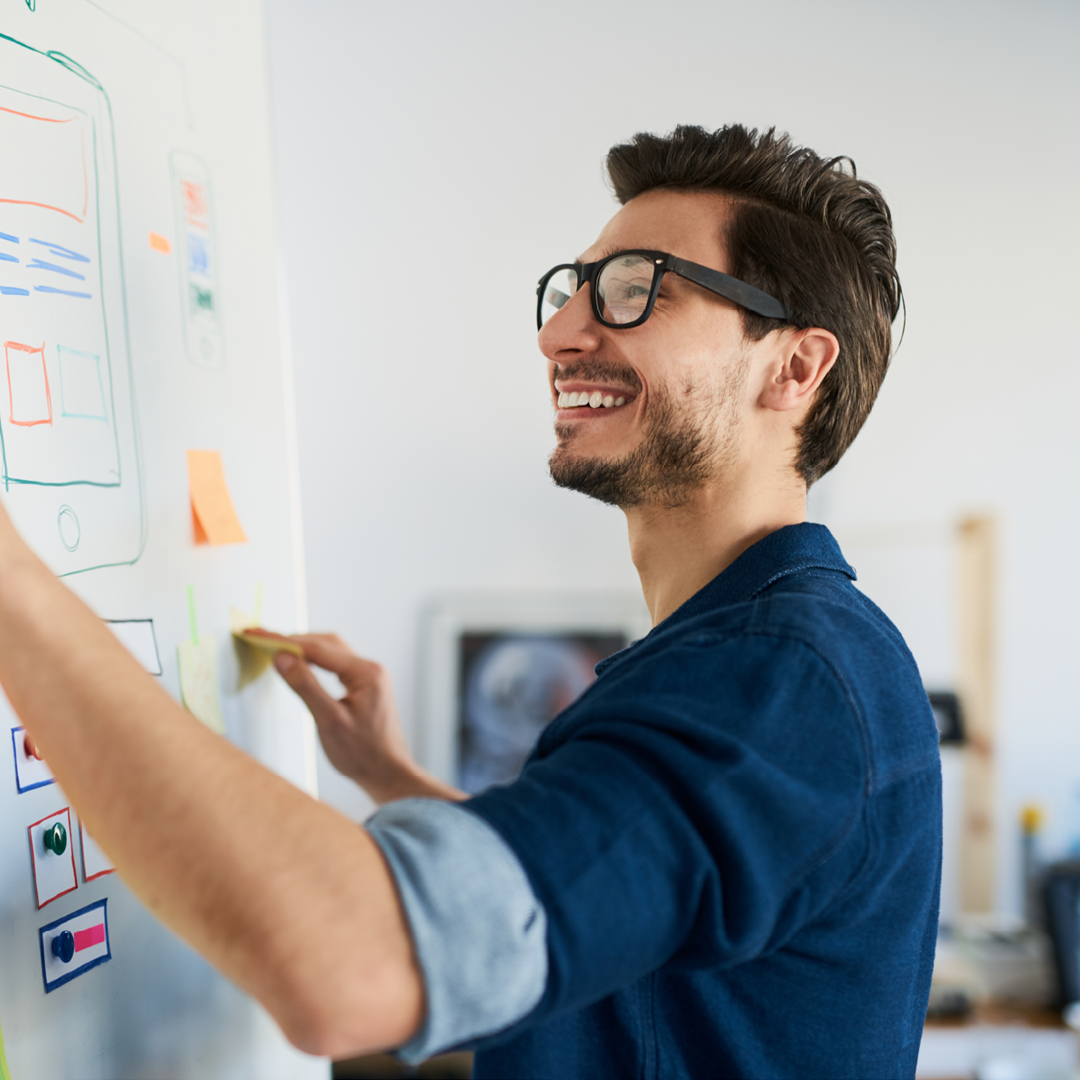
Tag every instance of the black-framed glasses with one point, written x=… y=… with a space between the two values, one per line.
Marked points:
x=624 y=287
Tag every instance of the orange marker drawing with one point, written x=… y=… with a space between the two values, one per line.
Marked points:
x=79 y=216
x=26 y=366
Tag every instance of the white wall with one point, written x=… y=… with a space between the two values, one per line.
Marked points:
x=435 y=158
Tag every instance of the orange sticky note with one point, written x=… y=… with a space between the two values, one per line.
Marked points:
x=160 y=243
x=215 y=518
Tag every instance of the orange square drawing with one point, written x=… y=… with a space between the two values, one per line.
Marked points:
x=195 y=204
x=28 y=384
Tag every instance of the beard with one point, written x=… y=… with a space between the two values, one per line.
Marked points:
x=687 y=441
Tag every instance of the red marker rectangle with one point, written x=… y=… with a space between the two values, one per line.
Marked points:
x=86 y=939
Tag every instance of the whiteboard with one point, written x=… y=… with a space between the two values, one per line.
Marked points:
x=138 y=320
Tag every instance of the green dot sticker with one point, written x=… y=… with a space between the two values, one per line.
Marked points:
x=56 y=838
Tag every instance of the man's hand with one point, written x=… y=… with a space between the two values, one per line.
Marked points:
x=360 y=732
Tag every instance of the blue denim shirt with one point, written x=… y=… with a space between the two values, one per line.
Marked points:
x=735 y=838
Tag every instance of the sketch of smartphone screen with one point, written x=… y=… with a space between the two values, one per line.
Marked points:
x=200 y=280
x=68 y=427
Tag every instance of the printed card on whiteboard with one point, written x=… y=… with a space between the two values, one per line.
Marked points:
x=30 y=771
x=74 y=944
x=95 y=862
x=53 y=857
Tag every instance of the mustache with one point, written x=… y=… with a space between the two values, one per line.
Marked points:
x=602 y=371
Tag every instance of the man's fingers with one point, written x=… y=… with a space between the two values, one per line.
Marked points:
x=329 y=652
x=302 y=680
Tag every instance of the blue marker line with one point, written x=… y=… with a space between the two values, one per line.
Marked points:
x=8 y=236
x=37 y=264
x=61 y=292
x=5 y=257
x=59 y=249
x=11 y=290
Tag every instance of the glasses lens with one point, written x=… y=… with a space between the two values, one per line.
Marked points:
x=623 y=288
x=558 y=289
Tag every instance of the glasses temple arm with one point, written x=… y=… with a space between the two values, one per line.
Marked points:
x=761 y=303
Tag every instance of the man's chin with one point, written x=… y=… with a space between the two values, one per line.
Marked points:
x=635 y=479
x=605 y=479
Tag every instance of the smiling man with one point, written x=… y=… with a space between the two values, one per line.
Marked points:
x=723 y=859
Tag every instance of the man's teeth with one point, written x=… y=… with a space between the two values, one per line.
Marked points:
x=595 y=400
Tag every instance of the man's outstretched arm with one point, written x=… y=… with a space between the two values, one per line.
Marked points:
x=282 y=894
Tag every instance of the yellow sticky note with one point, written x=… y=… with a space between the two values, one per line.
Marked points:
x=253 y=662
x=199 y=682
x=215 y=518
x=254 y=651
x=5 y=1073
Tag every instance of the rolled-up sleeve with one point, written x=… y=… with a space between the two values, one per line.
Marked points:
x=479 y=931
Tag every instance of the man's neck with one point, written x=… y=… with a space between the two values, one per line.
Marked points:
x=678 y=551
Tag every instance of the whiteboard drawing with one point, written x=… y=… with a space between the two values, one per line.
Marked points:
x=200 y=285
x=68 y=429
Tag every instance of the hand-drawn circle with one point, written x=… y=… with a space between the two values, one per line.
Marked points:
x=70 y=531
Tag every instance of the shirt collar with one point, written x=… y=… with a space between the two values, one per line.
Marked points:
x=789 y=550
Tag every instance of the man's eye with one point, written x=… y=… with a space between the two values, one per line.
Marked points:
x=628 y=290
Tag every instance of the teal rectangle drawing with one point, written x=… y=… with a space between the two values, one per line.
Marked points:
x=82 y=394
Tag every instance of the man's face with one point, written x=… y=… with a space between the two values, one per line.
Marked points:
x=681 y=376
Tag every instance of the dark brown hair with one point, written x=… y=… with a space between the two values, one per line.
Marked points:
x=804 y=229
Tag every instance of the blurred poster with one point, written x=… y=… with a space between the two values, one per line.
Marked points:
x=512 y=686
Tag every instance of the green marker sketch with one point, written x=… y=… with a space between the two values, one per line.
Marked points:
x=110 y=332
x=191 y=615
x=202 y=299
x=82 y=393
x=32 y=5
x=17 y=473
x=181 y=66
x=200 y=283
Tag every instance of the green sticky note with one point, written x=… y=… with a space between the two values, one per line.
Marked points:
x=5 y=1072
x=199 y=681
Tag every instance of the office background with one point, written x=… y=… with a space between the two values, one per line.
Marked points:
x=435 y=159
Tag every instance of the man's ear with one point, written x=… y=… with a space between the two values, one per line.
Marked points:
x=803 y=359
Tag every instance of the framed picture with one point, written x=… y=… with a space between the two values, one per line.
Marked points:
x=948 y=716
x=496 y=668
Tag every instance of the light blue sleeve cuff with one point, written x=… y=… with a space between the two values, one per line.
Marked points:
x=479 y=932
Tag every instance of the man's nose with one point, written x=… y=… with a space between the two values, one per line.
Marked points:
x=572 y=329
